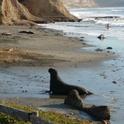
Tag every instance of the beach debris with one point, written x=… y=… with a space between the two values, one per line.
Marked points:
x=82 y=37
x=103 y=75
x=26 y=32
x=81 y=40
x=107 y=26
x=98 y=112
x=84 y=44
x=109 y=48
x=6 y=34
x=101 y=37
x=59 y=87
x=24 y=91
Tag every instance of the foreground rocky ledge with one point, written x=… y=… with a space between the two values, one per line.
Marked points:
x=49 y=110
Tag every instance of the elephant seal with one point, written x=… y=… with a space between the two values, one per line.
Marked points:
x=59 y=87
x=99 y=113
x=73 y=99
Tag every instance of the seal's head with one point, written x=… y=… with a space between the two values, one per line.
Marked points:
x=52 y=71
x=74 y=93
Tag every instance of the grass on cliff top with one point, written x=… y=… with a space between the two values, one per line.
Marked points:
x=53 y=117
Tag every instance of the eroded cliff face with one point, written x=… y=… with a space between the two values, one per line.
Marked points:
x=52 y=10
x=0 y=12
x=14 y=12
x=30 y=11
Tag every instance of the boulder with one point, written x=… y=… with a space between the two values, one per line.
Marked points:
x=98 y=112
x=109 y=48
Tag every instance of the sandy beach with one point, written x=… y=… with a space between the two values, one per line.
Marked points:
x=42 y=46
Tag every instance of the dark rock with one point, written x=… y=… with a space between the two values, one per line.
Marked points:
x=24 y=91
x=81 y=40
x=108 y=51
x=101 y=37
x=26 y=32
x=6 y=34
x=98 y=112
x=59 y=87
x=83 y=43
x=109 y=48
x=114 y=82
x=99 y=50
x=79 y=20
x=81 y=37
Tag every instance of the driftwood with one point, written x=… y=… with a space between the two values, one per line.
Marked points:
x=59 y=87
x=98 y=112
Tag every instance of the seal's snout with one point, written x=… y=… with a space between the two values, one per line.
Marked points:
x=52 y=71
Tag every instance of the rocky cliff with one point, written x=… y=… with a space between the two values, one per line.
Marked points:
x=48 y=9
x=30 y=11
x=0 y=12
x=14 y=12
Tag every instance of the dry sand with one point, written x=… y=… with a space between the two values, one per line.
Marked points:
x=43 y=47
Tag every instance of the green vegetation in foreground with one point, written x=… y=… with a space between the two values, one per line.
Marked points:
x=6 y=119
x=53 y=117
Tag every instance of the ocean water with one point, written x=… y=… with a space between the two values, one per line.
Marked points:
x=94 y=21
